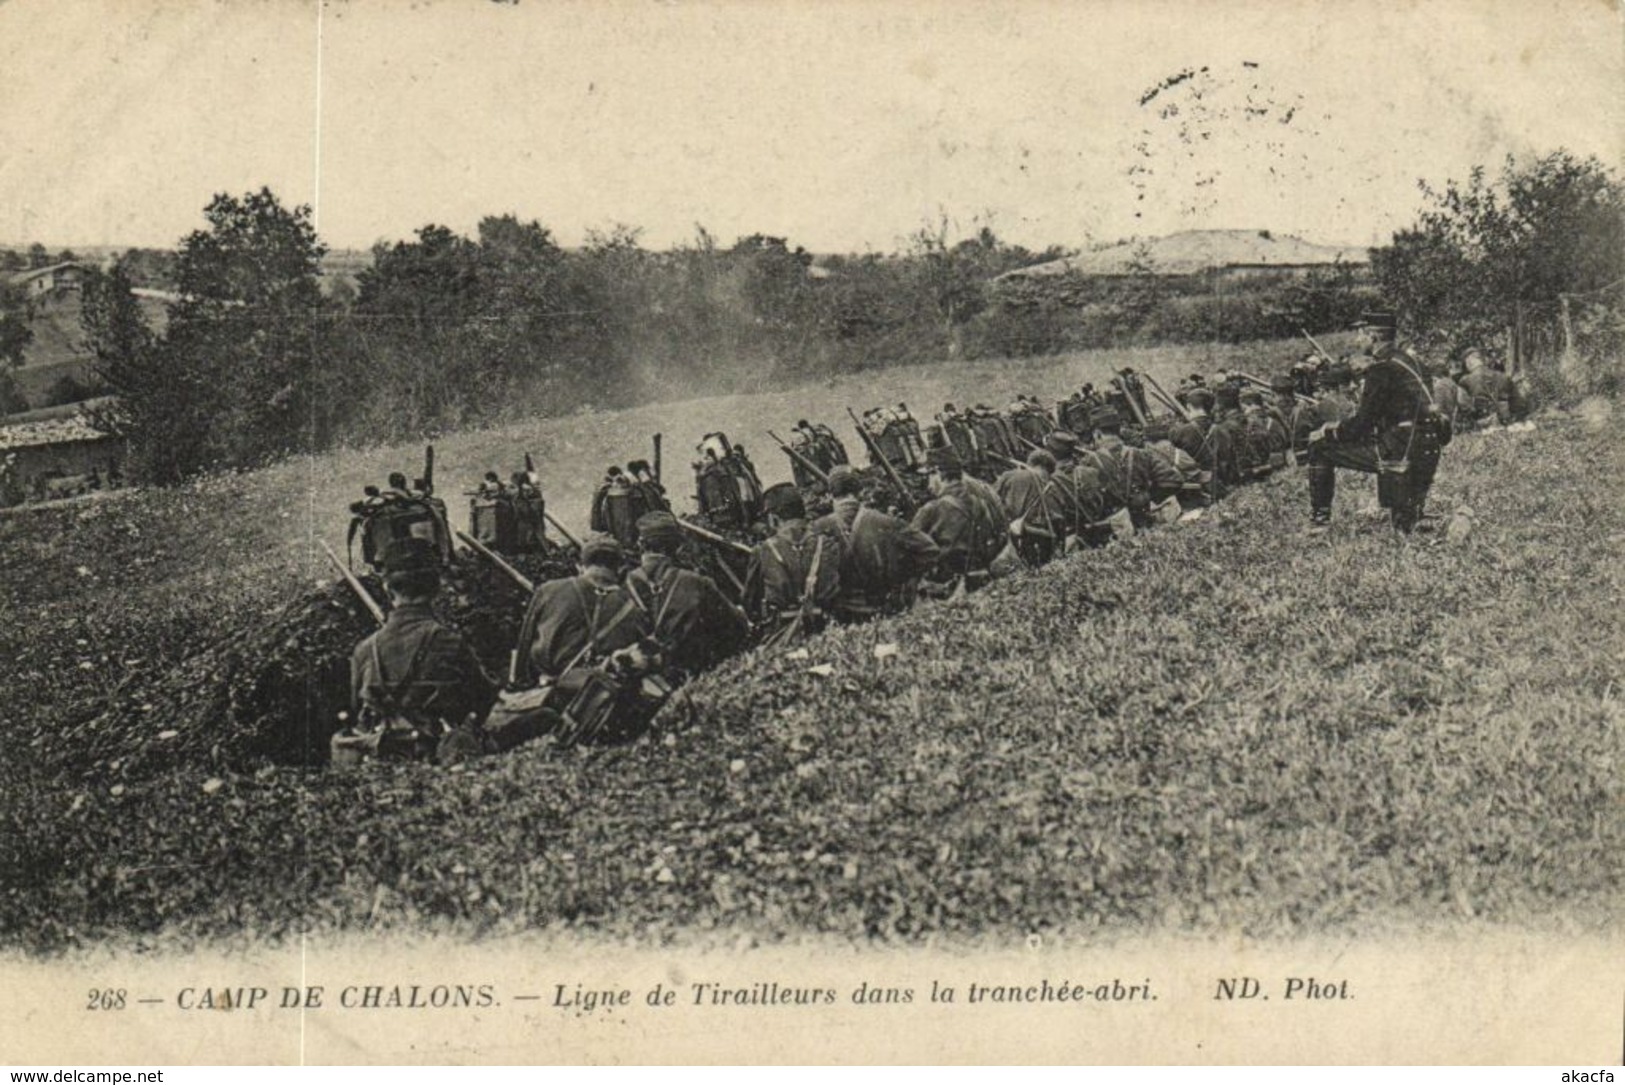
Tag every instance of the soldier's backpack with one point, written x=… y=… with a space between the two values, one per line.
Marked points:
x=995 y=434
x=727 y=489
x=384 y=518
x=820 y=447
x=509 y=518
x=959 y=435
x=617 y=506
x=896 y=435
x=1076 y=412
x=818 y=443
x=1030 y=421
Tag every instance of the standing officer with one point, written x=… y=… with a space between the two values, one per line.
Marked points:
x=1395 y=433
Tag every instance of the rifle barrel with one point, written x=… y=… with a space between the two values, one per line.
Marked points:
x=560 y=528
x=1172 y=403
x=885 y=464
x=361 y=592
x=1264 y=384
x=496 y=559
x=712 y=536
x=799 y=458
x=1316 y=345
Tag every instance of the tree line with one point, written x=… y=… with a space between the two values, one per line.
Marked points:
x=258 y=361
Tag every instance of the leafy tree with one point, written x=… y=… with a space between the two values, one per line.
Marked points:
x=1143 y=292
x=12 y=400
x=1324 y=300
x=162 y=406
x=235 y=379
x=15 y=332
x=955 y=279
x=1491 y=255
x=251 y=317
x=38 y=256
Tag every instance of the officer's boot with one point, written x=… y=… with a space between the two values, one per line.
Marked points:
x=1322 y=488
x=1403 y=507
x=1416 y=498
x=1387 y=486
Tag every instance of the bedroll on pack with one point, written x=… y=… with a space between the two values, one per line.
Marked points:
x=508 y=518
x=727 y=490
x=959 y=435
x=393 y=515
x=618 y=504
x=818 y=443
x=1030 y=421
x=994 y=433
x=897 y=435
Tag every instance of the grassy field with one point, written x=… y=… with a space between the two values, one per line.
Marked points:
x=1225 y=726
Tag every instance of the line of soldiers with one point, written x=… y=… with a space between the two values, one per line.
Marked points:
x=599 y=652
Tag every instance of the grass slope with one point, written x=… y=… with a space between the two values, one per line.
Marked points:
x=1225 y=726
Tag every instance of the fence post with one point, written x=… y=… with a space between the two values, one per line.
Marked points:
x=1569 y=363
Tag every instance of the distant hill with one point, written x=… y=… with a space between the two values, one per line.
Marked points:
x=1191 y=252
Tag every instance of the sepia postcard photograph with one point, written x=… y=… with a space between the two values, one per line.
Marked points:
x=787 y=532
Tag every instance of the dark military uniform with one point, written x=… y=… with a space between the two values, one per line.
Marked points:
x=1490 y=392
x=1236 y=460
x=969 y=530
x=1031 y=496
x=693 y=622
x=576 y=620
x=1394 y=433
x=1187 y=435
x=1269 y=436
x=793 y=576
x=425 y=668
x=881 y=558
x=1331 y=405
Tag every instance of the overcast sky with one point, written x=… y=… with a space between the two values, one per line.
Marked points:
x=843 y=126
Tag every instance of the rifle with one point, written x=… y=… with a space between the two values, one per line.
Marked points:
x=713 y=537
x=657 y=457
x=885 y=464
x=361 y=593
x=717 y=540
x=799 y=458
x=1320 y=349
x=425 y=485
x=1168 y=401
x=1259 y=382
x=496 y=559
x=1122 y=385
x=569 y=538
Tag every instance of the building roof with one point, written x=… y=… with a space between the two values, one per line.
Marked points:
x=52 y=426
x=50 y=269
x=1191 y=252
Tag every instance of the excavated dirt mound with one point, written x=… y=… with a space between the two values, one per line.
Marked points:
x=274 y=688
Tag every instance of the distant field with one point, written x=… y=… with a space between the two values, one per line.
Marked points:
x=1226 y=726
x=58 y=347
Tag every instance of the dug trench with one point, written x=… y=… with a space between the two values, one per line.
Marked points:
x=275 y=690
x=1228 y=726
